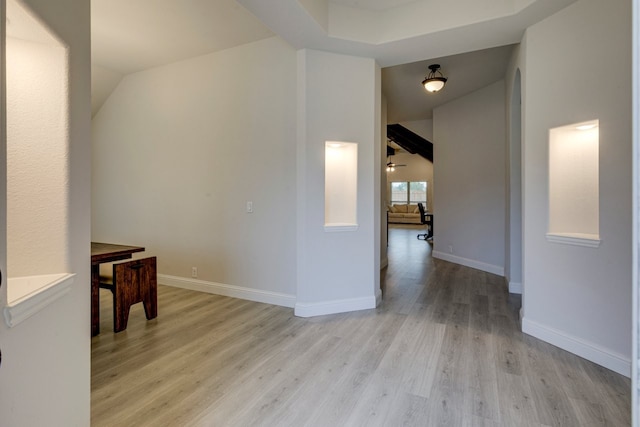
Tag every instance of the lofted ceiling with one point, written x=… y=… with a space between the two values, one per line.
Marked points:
x=464 y=36
x=466 y=73
x=129 y=36
x=134 y=35
x=373 y=4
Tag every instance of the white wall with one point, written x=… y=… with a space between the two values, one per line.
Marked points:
x=45 y=371
x=469 y=154
x=424 y=128
x=575 y=297
x=513 y=214
x=178 y=150
x=338 y=100
x=103 y=82
x=37 y=158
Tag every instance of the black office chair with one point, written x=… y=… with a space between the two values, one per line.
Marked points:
x=424 y=221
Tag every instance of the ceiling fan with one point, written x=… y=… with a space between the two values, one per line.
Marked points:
x=392 y=166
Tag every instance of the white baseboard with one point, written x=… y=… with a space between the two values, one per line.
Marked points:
x=384 y=262
x=588 y=350
x=489 y=268
x=515 y=288
x=335 y=306
x=257 y=295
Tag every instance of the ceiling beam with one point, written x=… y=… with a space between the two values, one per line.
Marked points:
x=412 y=142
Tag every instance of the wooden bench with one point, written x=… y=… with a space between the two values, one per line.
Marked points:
x=132 y=282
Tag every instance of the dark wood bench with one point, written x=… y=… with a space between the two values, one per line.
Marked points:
x=132 y=282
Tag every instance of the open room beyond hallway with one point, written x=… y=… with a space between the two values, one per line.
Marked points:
x=443 y=348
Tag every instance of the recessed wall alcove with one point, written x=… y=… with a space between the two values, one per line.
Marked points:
x=37 y=164
x=341 y=186
x=574 y=184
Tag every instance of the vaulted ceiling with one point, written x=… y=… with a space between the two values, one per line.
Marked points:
x=129 y=36
x=466 y=72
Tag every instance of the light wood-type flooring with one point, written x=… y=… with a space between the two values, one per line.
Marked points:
x=443 y=349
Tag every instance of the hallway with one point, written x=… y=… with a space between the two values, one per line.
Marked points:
x=443 y=348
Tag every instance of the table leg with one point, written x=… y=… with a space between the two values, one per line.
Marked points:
x=95 y=299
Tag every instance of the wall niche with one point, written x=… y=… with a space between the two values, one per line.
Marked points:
x=574 y=184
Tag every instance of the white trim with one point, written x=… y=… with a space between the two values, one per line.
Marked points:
x=584 y=240
x=635 y=237
x=515 y=288
x=384 y=262
x=588 y=350
x=42 y=291
x=334 y=306
x=268 y=297
x=478 y=265
x=336 y=228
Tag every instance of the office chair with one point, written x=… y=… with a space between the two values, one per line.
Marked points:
x=427 y=222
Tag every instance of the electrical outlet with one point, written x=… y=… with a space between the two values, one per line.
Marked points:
x=194 y=272
x=249 y=207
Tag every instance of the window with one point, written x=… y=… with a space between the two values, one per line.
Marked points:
x=411 y=192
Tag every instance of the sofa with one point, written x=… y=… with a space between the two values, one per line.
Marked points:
x=403 y=214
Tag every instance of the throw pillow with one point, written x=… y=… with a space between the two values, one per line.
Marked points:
x=391 y=208
x=401 y=208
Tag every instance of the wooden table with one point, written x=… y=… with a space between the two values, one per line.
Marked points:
x=101 y=253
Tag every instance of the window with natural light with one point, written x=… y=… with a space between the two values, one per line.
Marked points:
x=408 y=192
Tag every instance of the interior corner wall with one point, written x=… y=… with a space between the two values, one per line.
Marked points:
x=103 y=82
x=384 y=261
x=379 y=135
x=45 y=370
x=180 y=149
x=579 y=298
x=513 y=214
x=469 y=145
x=338 y=100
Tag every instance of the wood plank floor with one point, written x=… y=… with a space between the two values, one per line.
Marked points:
x=443 y=349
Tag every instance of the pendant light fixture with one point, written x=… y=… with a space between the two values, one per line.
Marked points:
x=434 y=82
